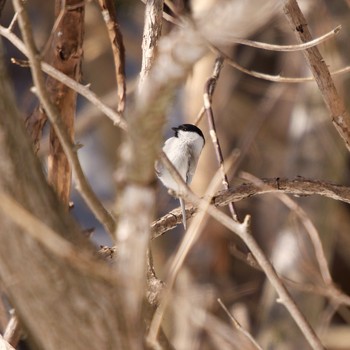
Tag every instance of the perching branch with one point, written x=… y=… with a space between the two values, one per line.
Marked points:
x=243 y=231
x=299 y=187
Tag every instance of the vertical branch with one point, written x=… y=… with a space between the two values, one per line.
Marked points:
x=65 y=54
x=109 y=14
x=83 y=185
x=340 y=117
x=207 y=97
x=138 y=198
x=192 y=235
x=151 y=34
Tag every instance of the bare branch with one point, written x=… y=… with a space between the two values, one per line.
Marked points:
x=207 y=97
x=151 y=34
x=192 y=235
x=65 y=53
x=115 y=117
x=338 y=114
x=243 y=231
x=115 y=35
x=29 y=269
x=309 y=226
x=287 y=48
x=269 y=77
x=239 y=327
x=166 y=16
x=82 y=184
x=299 y=187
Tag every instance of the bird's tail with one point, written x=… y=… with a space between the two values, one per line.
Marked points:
x=183 y=209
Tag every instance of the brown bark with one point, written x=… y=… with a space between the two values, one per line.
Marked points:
x=65 y=54
x=59 y=305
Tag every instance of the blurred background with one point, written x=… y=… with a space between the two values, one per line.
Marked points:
x=280 y=129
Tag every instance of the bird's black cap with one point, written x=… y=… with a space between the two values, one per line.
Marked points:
x=188 y=127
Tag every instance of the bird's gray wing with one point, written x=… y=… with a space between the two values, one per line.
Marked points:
x=191 y=166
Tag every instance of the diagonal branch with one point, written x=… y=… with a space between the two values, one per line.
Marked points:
x=109 y=14
x=243 y=231
x=287 y=48
x=83 y=185
x=115 y=117
x=309 y=227
x=274 y=78
x=339 y=116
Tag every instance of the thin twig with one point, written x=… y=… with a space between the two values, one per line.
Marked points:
x=238 y=326
x=115 y=117
x=13 y=22
x=83 y=185
x=261 y=45
x=274 y=78
x=287 y=48
x=109 y=14
x=309 y=226
x=338 y=114
x=330 y=292
x=207 y=97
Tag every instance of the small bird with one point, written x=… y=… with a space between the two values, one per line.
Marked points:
x=183 y=150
